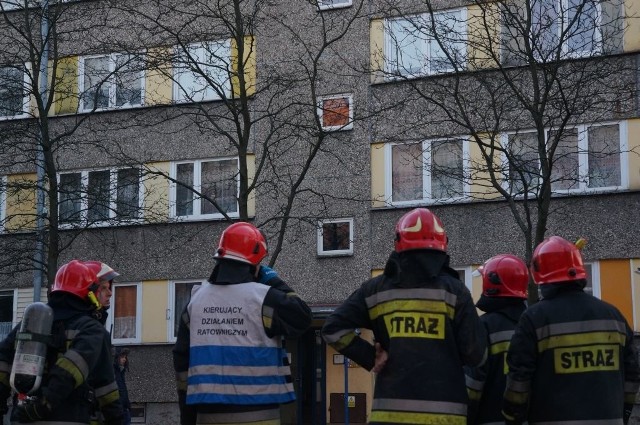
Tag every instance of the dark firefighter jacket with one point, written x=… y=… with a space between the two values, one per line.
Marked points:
x=486 y=383
x=79 y=353
x=199 y=369
x=571 y=359
x=425 y=319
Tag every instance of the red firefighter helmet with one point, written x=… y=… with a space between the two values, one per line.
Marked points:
x=76 y=278
x=504 y=275
x=557 y=260
x=242 y=242
x=420 y=229
x=103 y=271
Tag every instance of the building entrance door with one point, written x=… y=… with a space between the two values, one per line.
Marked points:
x=309 y=374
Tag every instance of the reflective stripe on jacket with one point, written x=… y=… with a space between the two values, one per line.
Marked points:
x=429 y=330
x=486 y=383
x=572 y=360
x=231 y=358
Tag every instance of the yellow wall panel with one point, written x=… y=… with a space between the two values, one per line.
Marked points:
x=476 y=284
x=635 y=293
x=65 y=86
x=377 y=175
x=158 y=84
x=360 y=380
x=615 y=285
x=156 y=192
x=376 y=50
x=249 y=61
x=631 y=26
x=154 y=311
x=633 y=140
x=484 y=34
x=481 y=186
x=24 y=298
x=21 y=202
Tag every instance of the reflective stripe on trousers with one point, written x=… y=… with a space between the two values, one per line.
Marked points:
x=418 y=412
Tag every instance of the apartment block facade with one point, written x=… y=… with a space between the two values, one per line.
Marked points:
x=322 y=122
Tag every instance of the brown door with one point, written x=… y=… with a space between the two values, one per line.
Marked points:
x=357 y=405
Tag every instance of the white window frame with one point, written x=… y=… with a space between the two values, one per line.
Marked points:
x=333 y=4
x=17 y=4
x=349 y=125
x=468 y=276
x=113 y=186
x=339 y=252
x=423 y=46
x=26 y=96
x=205 y=92
x=171 y=312
x=593 y=271
x=197 y=181
x=110 y=318
x=111 y=80
x=583 y=159
x=426 y=174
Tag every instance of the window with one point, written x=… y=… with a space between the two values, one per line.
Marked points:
x=335 y=237
x=14 y=98
x=126 y=309
x=199 y=182
x=568 y=28
x=418 y=45
x=466 y=276
x=336 y=112
x=6 y=5
x=586 y=158
x=7 y=311
x=100 y=196
x=201 y=72
x=333 y=4
x=593 y=279
x=432 y=171
x=11 y=4
x=111 y=81
x=523 y=163
x=179 y=296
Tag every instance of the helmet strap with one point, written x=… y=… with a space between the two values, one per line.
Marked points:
x=93 y=300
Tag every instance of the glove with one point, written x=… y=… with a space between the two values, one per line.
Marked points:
x=32 y=411
x=266 y=274
x=628 y=408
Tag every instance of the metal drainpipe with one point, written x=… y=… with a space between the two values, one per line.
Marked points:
x=38 y=259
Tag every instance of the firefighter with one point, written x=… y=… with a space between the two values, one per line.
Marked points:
x=79 y=352
x=425 y=327
x=504 y=292
x=571 y=359
x=230 y=363
x=104 y=291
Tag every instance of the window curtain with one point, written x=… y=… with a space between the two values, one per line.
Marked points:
x=125 y=312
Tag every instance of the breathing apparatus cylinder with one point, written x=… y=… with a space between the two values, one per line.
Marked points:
x=31 y=348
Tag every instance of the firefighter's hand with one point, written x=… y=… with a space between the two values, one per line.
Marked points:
x=32 y=411
x=266 y=274
x=381 y=358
